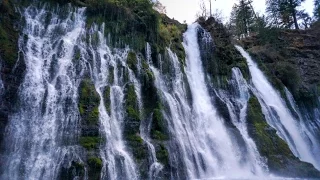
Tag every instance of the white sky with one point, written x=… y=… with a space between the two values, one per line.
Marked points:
x=187 y=9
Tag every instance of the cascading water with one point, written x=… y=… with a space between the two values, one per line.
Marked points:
x=204 y=145
x=237 y=103
x=117 y=163
x=145 y=127
x=301 y=142
x=41 y=134
x=60 y=51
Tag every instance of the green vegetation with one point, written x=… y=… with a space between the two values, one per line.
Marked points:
x=106 y=97
x=132 y=108
x=284 y=13
x=111 y=75
x=88 y=102
x=139 y=150
x=132 y=61
x=75 y=170
x=95 y=162
x=158 y=129
x=220 y=56
x=163 y=155
x=170 y=33
x=242 y=18
x=90 y=136
x=77 y=54
x=134 y=23
x=95 y=166
x=279 y=157
x=90 y=143
x=268 y=142
x=132 y=124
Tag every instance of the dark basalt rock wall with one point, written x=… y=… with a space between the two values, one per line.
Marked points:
x=291 y=59
x=13 y=67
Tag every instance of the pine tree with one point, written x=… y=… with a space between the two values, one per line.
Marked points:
x=283 y=12
x=242 y=18
x=316 y=11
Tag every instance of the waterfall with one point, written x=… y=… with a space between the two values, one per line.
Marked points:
x=237 y=103
x=145 y=127
x=293 y=130
x=42 y=133
x=117 y=162
x=202 y=140
x=45 y=128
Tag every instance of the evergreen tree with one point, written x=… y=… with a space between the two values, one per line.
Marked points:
x=242 y=18
x=283 y=12
x=316 y=11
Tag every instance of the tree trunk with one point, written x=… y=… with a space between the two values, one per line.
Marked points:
x=294 y=14
x=295 y=19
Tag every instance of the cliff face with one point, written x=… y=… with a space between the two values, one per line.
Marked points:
x=128 y=60
x=128 y=25
x=11 y=70
x=293 y=63
x=291 y=59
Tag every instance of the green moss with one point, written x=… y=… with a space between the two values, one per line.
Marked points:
x=81 y=109
x=170 y=35
x=132 y=125
x=132 y=61
x=95 y=165
x=94 y=116
x=132 y=113
x=135 y=138
x=269 y=144
x=288 y=75
x=88 y=102
x=131 y=104
x=90 y=143
x=138 y=149
x=77 y=55
x=162 y=155
x=95 y=162
x=149 y=75
x=220 y=56
x=111 y=75
x=107 y=101
x=158 y=129
x=75 y=171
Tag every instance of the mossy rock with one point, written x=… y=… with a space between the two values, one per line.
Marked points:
x=162 y=155
x=88 y=102
x=107 y=100
x=220 y=55
x=158 y=129
x=131 y=103
x=94 y=116
x=138 y=148
x=111 y=75
x=95 y=162
x=95 y=165
x=280 y=159
x=132 y=61
x=90 y=142
x=75 y=171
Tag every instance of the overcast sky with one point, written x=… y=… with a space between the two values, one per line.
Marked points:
x=187 y=9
